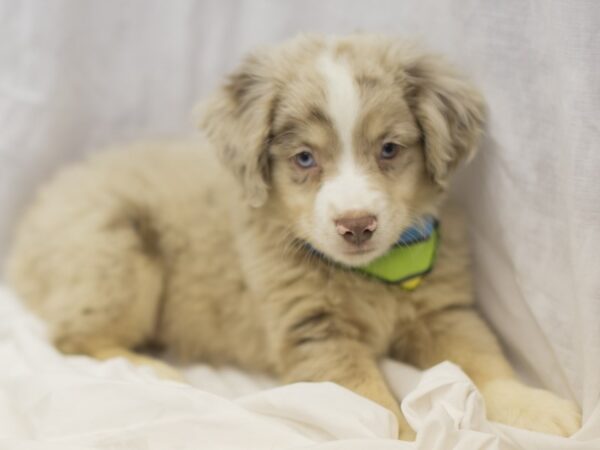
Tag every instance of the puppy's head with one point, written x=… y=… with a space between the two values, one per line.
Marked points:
x=349 y=141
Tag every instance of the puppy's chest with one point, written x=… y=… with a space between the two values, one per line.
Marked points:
x=372 y=309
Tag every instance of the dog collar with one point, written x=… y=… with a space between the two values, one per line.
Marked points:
x=410 y=258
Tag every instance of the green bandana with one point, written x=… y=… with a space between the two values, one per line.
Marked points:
x=409 y=259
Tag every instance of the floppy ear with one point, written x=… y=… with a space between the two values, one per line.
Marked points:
x=237 y=120
x=449 y=110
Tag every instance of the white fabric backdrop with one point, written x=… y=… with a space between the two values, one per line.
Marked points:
x=76 y=75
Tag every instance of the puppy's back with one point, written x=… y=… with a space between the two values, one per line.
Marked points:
x=124 y=193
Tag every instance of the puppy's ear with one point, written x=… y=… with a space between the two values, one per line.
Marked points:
x=237 y=120
x=449 y=110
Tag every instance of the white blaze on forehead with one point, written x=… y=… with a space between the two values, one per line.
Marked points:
x=349 y=189
x=342 y=97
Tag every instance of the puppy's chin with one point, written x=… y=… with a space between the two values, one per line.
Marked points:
x=353 y=256
x=358 y=259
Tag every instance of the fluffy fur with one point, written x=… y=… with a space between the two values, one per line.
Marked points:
x=156 y=243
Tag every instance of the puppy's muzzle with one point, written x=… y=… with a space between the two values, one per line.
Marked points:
x=356 y=229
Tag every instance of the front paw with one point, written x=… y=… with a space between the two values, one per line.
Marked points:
x=512 y=403
x=405 y=432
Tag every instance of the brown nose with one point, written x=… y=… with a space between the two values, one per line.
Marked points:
x=356 y=230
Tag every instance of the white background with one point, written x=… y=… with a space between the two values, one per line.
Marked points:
x=77 y=75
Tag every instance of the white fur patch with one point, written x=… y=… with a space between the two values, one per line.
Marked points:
x=343 y=100
x=349 y=190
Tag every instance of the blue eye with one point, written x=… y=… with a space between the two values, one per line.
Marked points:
x=305 y=160
x=389 y=150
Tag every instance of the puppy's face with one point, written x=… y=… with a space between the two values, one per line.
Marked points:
x=346 y=159
x=348 y=141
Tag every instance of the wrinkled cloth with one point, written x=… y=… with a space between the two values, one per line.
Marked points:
x=52 y=401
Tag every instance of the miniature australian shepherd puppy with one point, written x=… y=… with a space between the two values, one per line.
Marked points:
x=317 y=245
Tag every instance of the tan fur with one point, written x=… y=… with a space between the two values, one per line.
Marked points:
x=156 y=243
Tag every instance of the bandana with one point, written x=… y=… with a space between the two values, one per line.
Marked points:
x=410 y=258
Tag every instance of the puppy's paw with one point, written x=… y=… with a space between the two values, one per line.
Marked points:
x=160 y=368
x=405 y=432
x=512 y=403
x=163 y=370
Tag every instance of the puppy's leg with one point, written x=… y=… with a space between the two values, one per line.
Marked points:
x=98 y=286
x=346 y=362
x=118 y=315
x=461 y=336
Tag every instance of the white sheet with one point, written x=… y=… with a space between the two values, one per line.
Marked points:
x=76 y=75
x=50 y=401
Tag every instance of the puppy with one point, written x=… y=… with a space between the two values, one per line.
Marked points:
x=297 y=259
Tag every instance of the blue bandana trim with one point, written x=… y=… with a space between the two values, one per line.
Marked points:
x=418 y=233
